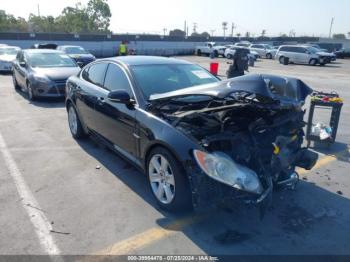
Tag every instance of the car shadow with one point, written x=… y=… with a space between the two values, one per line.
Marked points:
x=44 y=102
x=338 y=149
x=5 y=73
x=308 y=220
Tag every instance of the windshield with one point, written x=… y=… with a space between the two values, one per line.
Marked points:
x=158 y=79
x=50 y=60
x=313 y=50
x=9 y=51
x=268 y=46
x=75 y=50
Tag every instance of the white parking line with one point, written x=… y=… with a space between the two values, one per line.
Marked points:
x=41 y=224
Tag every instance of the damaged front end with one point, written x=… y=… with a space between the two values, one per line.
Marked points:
x=250 y=135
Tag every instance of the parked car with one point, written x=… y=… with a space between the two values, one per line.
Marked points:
x=44 y=46
x=332 y=55
x=43 y=73
x=343 y=53
x=302 y=55
x=264 y=50
x=209 y=47
x=79 y=54
x=198 y=139
x=7 y=56
x=231 y=49
x=243 y=44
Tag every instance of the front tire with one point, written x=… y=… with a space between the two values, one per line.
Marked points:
x=268 y=56
x=74 y=123
x=199 y=52
x=281 y=60
x=313 y=62
x=168 y=182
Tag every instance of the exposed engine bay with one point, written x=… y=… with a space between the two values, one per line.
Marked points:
x=255 y=120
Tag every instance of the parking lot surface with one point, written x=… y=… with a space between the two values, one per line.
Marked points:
x=65 y=197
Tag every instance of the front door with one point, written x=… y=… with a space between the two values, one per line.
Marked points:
x=116 y=121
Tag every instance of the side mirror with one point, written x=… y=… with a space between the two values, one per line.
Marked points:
x=120 y=96
x=23 y=64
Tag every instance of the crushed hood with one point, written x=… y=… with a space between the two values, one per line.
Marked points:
x=284 y=89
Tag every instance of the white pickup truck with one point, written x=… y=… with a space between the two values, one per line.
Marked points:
x=209 y=47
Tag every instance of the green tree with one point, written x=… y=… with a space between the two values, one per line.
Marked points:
x=8 y=23
x=177 y=32
x=339 y=36
x=205 y=34
x=99 y=15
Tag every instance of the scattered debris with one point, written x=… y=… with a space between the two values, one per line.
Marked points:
x=29 y=205
x=305 y=178
x=59 y=232
x=295 y=219
x=339 y=192
x=98 y=167
x=231 y=237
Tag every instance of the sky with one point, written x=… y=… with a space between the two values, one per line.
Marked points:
x=305 y=17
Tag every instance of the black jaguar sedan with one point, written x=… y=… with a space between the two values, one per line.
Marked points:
x=199 y=140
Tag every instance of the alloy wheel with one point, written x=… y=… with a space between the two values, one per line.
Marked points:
x=161 y=178
x=72 y=120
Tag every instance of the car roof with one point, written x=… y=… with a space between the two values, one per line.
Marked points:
x=9 y=46
x=40 y=51
x=65 y=46
x=146 y=60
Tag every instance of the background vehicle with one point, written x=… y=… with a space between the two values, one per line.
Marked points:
x=207 y=49
x=243 y=44
x=7 y=56
x=302 y=55
x=231 y=49
x=343 y=53
x=332 y=55
x=44 y=46
x=79 y=54
x=264 y=51
x=178 y=123
x=43 y=73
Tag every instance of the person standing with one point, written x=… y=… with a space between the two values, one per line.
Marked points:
x=123 y=49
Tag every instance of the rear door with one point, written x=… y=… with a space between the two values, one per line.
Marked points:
x=87 y=92
x=302 y=55
x=116 y=121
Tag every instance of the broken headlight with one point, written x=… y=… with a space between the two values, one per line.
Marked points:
x=222 y=168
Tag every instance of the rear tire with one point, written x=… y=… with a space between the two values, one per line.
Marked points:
x=313 y=62
x=216 y=53
x=199 y=52
x=168 y=181
x=229 y=56
x=74 y=123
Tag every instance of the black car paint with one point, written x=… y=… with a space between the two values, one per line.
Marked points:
x=132 y=131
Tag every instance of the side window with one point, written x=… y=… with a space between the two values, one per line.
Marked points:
x=283 y=48
x=95 y=74
x=116 y=79
x=292 y=49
